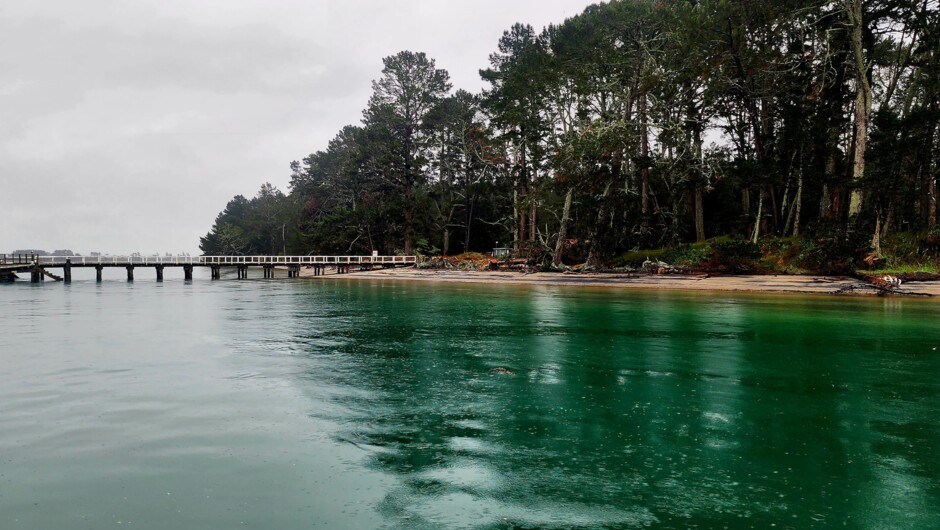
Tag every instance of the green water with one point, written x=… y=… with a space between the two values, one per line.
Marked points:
x=304 y=404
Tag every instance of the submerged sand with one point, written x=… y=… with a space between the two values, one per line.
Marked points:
x=825 y=285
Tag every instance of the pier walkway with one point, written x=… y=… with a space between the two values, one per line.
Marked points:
x=37 y=266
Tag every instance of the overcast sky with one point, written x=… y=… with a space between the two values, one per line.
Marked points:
x=127 y=125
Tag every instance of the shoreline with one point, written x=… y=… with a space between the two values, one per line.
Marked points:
x=759 y=284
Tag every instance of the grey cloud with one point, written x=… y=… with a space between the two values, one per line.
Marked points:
x=131 y=124
x=215 y=59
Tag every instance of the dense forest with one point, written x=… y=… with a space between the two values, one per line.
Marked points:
x=636 y=125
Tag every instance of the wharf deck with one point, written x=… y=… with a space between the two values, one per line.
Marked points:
x=10 y=264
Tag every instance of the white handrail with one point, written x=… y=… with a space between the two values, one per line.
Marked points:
x=144 y=261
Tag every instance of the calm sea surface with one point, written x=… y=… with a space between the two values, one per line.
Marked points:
x=285 y=404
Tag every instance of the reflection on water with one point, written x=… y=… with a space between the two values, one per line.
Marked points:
x=358 y=404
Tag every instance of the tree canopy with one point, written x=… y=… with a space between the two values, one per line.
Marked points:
x=635 y=124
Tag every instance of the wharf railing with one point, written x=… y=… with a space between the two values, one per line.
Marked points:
x=143 y=261
x=17 y=259
x=306 y=260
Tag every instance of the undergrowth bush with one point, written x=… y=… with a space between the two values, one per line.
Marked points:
x=833 y=251
x=830 y=250
x=735 y=255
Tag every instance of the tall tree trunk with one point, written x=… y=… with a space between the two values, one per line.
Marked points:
x=409 y=193
x=825 y=203
x=532 y=210
x=563 y=230
x=930 y=164
x=889 y=219
x=760 y=208
x=832 y=150
x=515 y=218
x=932 y=203
x=595 y=254
x=775 y=207
x=468 y=223
x=853 y=10
x=697 y=207
x=798 y=204
x=409 y=222
x=644 y=156
x=524 y=193
x=699 y=214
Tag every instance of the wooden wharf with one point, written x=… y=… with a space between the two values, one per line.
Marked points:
x=36 y=266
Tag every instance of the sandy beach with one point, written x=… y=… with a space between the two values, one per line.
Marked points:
x=809 y=284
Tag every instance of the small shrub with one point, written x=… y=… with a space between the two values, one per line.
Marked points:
x=735 y=255
x=694 y=255
x=781 y=254
x=635 y=258
x=534 y=252
x=424 y=248
x=931 y=243
x=834 y=251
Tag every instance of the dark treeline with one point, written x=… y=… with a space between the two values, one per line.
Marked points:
x=636 y=124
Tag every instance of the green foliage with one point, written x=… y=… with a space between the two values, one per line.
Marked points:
x=635 y=258
x=686 y=255
x=619 y=105
x=834 y=250
x=930 y=267
x=735 y=255
x=424 y=248
x=263 y=225
x=693 y=255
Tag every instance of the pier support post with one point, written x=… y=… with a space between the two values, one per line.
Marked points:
x=98 y=269
x=188 y=272
x=216 y=272
x=159 y=273
x=35 y=275
x=130 y=273
x=67 y=271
